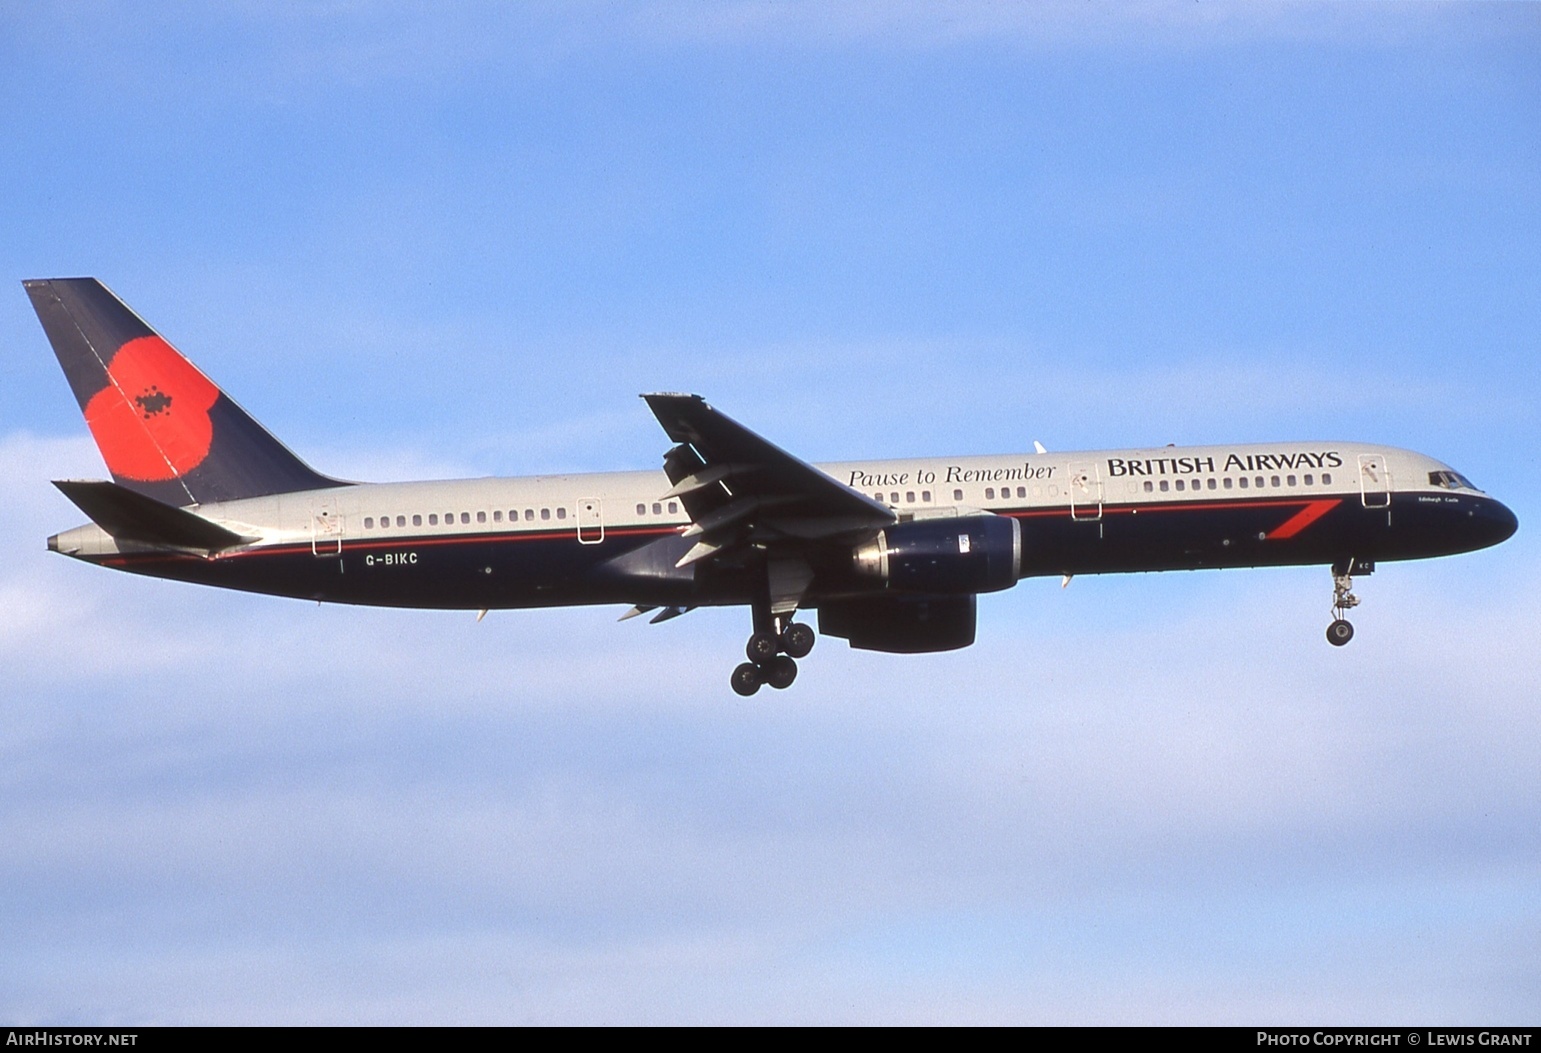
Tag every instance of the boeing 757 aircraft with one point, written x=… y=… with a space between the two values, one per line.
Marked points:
x=891 y=554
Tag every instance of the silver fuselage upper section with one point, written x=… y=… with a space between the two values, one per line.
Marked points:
x=914 y=487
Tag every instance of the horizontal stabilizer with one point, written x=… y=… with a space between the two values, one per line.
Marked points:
x=131 y=516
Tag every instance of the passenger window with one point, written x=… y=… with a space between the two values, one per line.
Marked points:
x=1227 y=482
x=561 y=513
x=1195 y=484
x=401 y=521
x=433 y=519
x=642 y=510
x=369 y=522
x=1275 y=481
x=481 y=517
x=1242 y=482
x=1212 y=483
x=545 y=513
x=989 y=493
x=957 y=495
x=1179 y=486
x=529 y=514
x=1290 y=480
x=1165 y=486
x=1258 y=482
x=1326 y=479
x=497 y=515
x=909 y=497
x=417 y=520
x=1308 y=480
x=465 y=517
x=1149 y=486
x=673 y=508
x=657 y=508
x=895 y=498
x=925 y=495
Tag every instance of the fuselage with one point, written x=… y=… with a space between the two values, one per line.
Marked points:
x=891 y=555
x=616 y=538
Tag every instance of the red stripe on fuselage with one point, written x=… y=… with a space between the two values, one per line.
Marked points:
x=1151 y=507
x=1302 y=519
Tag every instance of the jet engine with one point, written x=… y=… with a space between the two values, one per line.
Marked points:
x=964 y=554
x=901 y=624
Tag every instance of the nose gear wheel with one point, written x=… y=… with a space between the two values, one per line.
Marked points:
x=1341 y=631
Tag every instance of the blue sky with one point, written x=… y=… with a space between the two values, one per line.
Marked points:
x=420 y=243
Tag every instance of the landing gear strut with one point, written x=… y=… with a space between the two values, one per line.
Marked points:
x=777 y=641
x=772 y=652
x=1341 y=631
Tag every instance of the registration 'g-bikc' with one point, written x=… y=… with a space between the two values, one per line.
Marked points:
x=892 y=554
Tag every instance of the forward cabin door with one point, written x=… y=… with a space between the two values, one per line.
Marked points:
x=1374 y=480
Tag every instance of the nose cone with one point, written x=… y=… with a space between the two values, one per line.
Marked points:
x=1493 y=523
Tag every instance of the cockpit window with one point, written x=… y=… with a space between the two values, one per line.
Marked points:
x=1450 y=480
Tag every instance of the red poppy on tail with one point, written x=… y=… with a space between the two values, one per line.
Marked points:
x=151 y=421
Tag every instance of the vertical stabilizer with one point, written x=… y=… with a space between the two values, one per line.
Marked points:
x=165 y=430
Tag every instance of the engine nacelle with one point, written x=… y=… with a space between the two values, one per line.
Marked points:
x=901 y=624
x=965 y=554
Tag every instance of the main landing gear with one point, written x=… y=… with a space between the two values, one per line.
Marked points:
x=772 y=657
x=1341 y=631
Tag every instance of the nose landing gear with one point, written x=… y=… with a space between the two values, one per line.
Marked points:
x=772 y=657
x=1341 y=631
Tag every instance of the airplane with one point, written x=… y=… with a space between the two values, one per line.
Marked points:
x=891 y=554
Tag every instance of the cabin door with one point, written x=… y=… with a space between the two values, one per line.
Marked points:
x=1374 y=481
x=591 y=523
x=1085 y=493
x=325 y=527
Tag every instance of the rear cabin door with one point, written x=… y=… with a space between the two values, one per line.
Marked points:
x=325 y=527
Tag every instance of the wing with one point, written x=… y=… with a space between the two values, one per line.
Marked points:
x=742 y=490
